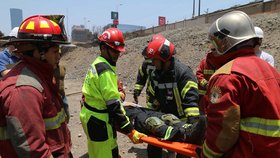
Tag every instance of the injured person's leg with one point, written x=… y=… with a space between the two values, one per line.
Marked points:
x=166 y=126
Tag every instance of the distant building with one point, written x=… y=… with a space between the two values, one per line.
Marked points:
x=125 y=28
x=80 y=34
x=16 y=17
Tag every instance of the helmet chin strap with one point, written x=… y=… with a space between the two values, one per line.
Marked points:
x=161 y=66
x=161 y=71
x=110 y=60
x=42 y=52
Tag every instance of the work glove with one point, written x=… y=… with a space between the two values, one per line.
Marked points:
x=122 y=95
x=204 y=83
x=135 y=136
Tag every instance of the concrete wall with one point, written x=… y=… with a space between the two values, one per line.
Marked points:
x=250 y=9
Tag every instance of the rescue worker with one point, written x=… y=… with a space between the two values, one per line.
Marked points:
x=32 y=119
x=205 y=70
x=170 y=127
x=174 y=83
x=102 y=112
x=59 y=75
x=8 y=57
x=143 y=77
x=260 y=53
x=243 y=107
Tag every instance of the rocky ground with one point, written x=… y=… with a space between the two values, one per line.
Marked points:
x=191 y=48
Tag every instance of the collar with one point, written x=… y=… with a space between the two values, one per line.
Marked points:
x=169 y=73
x=218 y=61
x=6 y=51
x=41 y=68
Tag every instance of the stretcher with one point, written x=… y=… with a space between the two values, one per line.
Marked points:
x=178 y=147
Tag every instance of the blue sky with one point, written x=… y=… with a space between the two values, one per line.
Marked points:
x=98 y=12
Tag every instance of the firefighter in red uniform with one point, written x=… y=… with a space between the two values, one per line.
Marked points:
x=243 y=107
x=205 y=70
x=32 y=119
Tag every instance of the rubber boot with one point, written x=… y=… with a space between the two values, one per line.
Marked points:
x=193 y=133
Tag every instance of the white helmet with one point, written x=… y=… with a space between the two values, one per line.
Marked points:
x=230 y=30
x=259 y=32
x=14 y=32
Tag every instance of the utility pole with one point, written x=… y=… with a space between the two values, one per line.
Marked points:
x=193 y=9
x=199 y=7
x=68 y=33
x=85 y=22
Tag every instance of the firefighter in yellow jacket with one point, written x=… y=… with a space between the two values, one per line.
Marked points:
x=102 y=112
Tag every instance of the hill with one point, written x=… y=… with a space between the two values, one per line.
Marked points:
x=189 y=43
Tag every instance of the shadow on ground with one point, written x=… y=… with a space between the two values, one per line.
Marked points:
x=139 y=152
x=84 y=156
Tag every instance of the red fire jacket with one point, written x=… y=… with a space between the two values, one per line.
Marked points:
x=243 y=109
x=32 y=119
x=204 y=71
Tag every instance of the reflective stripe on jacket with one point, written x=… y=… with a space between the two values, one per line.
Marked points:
x=204 y=71
x=101 y=92
x=144 y=76
x=176 y=90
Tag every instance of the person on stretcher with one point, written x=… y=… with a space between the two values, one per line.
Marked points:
x=166 y=126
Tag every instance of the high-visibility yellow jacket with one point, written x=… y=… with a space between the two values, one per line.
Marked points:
x=102 y=113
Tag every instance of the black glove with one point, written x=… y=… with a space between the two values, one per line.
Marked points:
x=135 y=99
x=136 y=95
x=193 y=119
x=198 y=152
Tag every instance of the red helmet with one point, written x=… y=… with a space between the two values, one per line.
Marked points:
x=41 y=28
x=159 y=47
x=113 y=37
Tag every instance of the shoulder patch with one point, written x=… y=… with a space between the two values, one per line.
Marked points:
x=215 y=95
x=225 y=69
x=28 y=78
x=102 y=67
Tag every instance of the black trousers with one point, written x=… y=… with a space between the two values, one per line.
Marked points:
x=139 y=115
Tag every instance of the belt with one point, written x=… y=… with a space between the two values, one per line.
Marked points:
x=94 y=109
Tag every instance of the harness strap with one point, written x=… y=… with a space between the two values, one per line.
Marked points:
x=94 y=109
